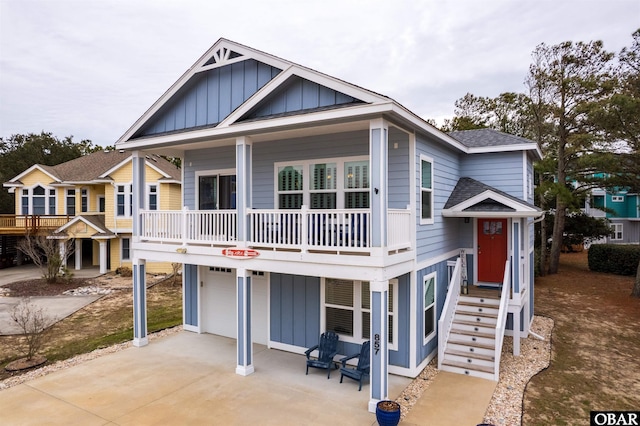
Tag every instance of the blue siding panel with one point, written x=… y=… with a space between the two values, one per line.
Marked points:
x=501 y=170
x=400 y=357
x=295 y=309
x=210 y=96
x=326 y=97
x=294 y=97
x=310 y=95
x=398 y=174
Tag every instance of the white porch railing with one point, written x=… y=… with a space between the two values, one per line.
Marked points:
x=338 y=230
x=448 y=310
x=304 y=229
x=186 y=226
x=399 y=229
x=502 y=318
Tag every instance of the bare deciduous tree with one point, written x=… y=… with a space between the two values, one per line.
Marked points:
x=33 y=323
x=45 y=253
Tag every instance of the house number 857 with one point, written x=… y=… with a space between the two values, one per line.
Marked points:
x=376 y=343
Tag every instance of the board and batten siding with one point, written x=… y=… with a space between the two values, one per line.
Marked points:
x=501 y=170
x=210 y=96
x=443 y=235
x=294 y=309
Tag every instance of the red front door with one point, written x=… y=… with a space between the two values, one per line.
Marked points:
x=492 y=249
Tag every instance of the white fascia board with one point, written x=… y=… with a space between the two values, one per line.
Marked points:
x=103 y=237
x=32 y=168
x=169 y=181
x=263 y=126
x=156 y=168
x=521 y=207
x=505 y=148
x=76 y=220
x=116 y=167
x=516 y=214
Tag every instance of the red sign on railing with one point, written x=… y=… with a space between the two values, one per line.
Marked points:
x=240 y=253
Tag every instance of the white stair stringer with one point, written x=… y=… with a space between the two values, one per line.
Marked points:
x=470 y=348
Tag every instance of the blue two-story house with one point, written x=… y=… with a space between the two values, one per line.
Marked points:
x=311 y=205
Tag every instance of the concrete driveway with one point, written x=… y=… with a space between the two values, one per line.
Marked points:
x=187 y=378
x=55 y=308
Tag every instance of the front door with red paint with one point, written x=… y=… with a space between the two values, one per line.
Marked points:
x=492 y=249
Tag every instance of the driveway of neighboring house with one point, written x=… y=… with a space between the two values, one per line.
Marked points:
x=189 y=378
x=55 y=308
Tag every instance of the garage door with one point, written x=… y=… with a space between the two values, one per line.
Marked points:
x=219 y=304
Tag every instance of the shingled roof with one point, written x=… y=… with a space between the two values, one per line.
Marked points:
x=467 y=188
x=91 y=166
x=480 y=138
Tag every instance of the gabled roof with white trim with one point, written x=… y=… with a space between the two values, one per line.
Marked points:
x=472 y=198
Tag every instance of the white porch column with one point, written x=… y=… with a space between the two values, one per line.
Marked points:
x=63 y=254
x=378 y=388
x=78 y=254
x=103 y=256
x=243 y=185
x=139 y=303
x=245 y=348
x=378 y=151
x=516 y=333
x=138 y=191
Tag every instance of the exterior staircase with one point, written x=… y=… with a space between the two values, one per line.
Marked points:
x=471 y=345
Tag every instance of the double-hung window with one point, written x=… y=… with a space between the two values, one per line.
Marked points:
x=426 y=190
x=126 y=249
x=71 y=202
x=39 y=200
x=290 y=187
x=347 y=309
x=25 y=202
x=153 y=197
x=124 y=200
x=429 y=306
x=616 y=229
x=356 y=184
x=323 y=185
x=52 y=201
x=84 y=200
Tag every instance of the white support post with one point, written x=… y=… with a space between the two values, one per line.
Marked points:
x=379 y=380
x=139 y=191
x=139 y=303
x=516 y=333
x=78 y=254
x=63 y=254
x=244 y=343
x=244 y=167
x=103 y=256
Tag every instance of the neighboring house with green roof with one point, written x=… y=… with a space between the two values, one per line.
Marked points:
x=92 y=196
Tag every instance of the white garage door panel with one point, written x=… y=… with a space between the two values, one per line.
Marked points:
x=219 y=306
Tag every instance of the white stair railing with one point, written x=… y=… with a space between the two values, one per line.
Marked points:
x=502 y=318
x=448 y=310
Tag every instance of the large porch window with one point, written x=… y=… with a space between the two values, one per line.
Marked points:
x=216 y=190
x=332 y=184
x=38 y=200
x=347 y=309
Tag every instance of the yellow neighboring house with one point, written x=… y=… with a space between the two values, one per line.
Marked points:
x=94 y=193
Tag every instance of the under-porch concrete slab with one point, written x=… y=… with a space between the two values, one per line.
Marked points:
x=188 y=378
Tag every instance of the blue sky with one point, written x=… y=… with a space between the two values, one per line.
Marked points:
x=89 y=69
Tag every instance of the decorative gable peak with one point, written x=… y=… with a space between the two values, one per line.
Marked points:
x=222 y=56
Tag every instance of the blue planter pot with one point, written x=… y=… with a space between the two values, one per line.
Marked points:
x=388 y=413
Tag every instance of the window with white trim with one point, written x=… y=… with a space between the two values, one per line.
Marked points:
x=38 y=200
x=429 y=306
x=125 y=249
x=84 y=200
x=347 y=309
x=290 y=186
x=124 y=200
x=426 y=190
x=101 y=204
x=322 y=185
x=616 y=232
x=356 y=184
x=617 y=198
x=152 y=202
x=333 y=184
x=71 y=202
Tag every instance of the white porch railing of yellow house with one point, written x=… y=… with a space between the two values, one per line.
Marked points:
x=338 y=230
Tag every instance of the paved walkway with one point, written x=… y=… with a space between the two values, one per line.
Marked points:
x=452 y=400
